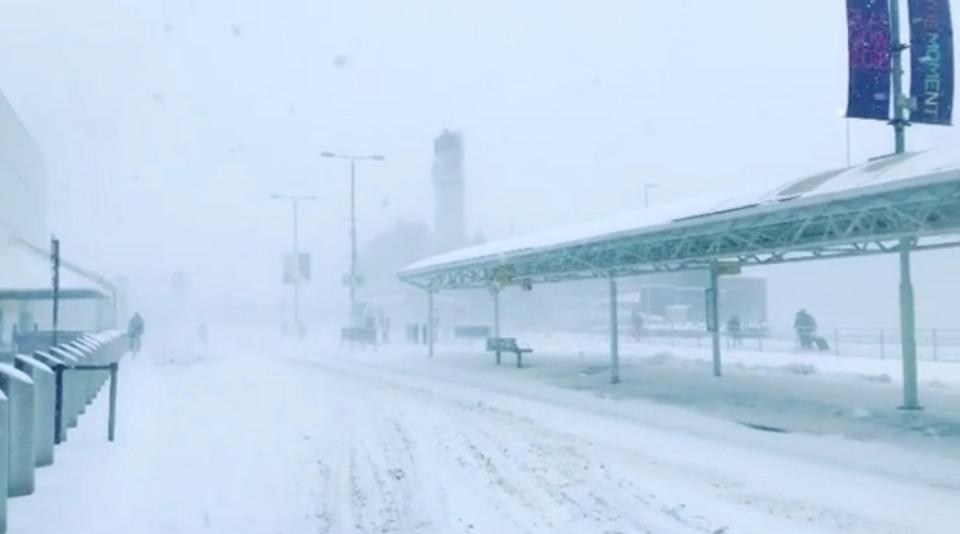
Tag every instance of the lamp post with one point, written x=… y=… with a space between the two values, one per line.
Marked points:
x=294 y=201
x=646 y=193
x=352 y=281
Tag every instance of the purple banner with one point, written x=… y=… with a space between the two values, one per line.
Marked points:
x=869 y=45
x=931 y=61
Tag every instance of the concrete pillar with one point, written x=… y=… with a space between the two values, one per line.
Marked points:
x=430 y=334
x=614 y=333
x=44 y=399
x=73 y=403
x=22 y=452
x=87 y=380
x=908 y=333
x=53 y=363
x=713 y=315
x=495 y=292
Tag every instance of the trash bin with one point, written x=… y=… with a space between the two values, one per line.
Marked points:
x=44 y=399
x=22 y=454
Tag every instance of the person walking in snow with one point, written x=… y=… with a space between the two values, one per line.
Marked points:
x=636 y=318
x=734 y=331
x=135 y=329
x=806 y=327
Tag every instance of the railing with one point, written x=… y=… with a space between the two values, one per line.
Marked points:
x=932 y=344
x=44 y=394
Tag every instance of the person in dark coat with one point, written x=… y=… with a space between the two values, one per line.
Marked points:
x=135 y=331
x=734 y=330
x=806 y=327
x=636 y=318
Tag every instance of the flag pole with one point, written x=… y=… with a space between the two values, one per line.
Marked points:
x=900 y=103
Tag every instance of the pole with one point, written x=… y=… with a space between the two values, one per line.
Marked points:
x=881 y=344
x=353 y=235
x=58 y=406
x=496 y=320
x=713 y=315
x=55 y=259
x=935 y=354
x=614 y=333
x=908 y=336
x=112 y=422
x=296 y=257
x=899 y=122
x=430 y=335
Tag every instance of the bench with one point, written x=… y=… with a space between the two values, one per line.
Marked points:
x=507 y=344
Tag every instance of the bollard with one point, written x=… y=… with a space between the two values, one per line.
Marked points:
x=56 y=365
x=73 y=403
x=21 y=456
x=94 y=379
x=112 y=423
x=43 y=402
x=4 y=468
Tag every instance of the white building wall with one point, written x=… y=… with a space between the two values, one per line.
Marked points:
x=22 y=179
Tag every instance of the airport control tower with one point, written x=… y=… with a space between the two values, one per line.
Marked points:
x=449 y=223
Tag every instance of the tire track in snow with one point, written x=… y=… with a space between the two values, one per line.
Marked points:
x=479 y=443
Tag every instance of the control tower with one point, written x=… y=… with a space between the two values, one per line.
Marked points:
x=449 y=219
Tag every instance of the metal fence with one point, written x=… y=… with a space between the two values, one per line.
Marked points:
x=932 y=344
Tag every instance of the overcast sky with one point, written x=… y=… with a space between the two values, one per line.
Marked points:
x=167 y=124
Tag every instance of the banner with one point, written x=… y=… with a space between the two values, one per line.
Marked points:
x=869 y=45
x=931 y=61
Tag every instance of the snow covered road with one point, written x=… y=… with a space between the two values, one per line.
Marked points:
x=322 y=441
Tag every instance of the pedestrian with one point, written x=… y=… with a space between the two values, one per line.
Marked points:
x=385 y=327
x=806 y=327
x=734 y=331
x=135 y=330
x=637 y=319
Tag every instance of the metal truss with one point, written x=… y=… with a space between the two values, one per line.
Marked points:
x=865 y=222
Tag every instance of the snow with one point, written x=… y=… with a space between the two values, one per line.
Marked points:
x=648 y=220
x=13 y=372
x=263 y=435
x=898 y=171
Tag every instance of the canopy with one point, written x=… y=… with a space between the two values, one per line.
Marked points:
x=865 y=209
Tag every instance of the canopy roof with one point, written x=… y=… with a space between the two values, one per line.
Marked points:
x=858 y=210
x=26 y=273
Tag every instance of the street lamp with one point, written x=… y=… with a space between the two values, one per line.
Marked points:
x=646 y=193
x=294 y=201
x=352 y=281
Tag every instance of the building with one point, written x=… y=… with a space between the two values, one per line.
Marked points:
x=26 y=290
x=22 y=179
x=449 y=213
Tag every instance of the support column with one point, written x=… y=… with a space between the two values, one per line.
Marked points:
x=495 y=292
x=614 y=333
x=713 y=315
x=430 y=334
x=908 y=334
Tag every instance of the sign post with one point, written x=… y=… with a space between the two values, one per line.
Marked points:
x=55 y=261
